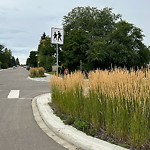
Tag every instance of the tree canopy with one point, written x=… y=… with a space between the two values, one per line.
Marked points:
x=94 y=39
x=101 y=39
x=32 y=60
x=6 y=58
x=46 y=53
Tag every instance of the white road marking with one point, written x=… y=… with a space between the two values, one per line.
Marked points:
x=14 y=94
x=26 y=98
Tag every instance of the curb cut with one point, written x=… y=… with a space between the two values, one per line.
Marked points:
x=68 y=133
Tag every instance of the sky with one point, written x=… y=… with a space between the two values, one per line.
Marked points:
x=22 y=22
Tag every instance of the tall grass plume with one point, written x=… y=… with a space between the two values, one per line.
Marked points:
x=117 y=101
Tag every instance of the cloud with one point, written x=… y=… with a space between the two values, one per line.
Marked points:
x=11 y=31
x=24 y=21
x=8 y=11
x=22 y=53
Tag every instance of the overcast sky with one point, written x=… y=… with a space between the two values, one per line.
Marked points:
x=22 y=22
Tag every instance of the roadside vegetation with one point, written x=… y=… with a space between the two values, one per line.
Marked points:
x=93 y=39
x=6 y=58
x=37 y=72
x=111 y=105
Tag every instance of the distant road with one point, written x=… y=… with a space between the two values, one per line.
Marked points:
x=18 y=129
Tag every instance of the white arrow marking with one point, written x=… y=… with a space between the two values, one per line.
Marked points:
x=14 y=94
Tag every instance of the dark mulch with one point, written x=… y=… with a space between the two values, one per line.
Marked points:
x=101 y=134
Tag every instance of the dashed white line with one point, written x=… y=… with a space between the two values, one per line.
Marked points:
x=14 y=94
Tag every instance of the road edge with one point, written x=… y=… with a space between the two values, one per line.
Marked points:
x=47 y=130
x=68 y=133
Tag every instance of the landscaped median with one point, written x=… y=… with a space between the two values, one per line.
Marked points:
x=113 y=105
x=37 y=72
x=67 y=132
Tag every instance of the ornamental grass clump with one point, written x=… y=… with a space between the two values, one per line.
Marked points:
x=124 y=100
x=117 y=101
x=37 y=72
x=67 y=94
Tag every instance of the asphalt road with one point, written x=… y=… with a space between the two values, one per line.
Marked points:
x=18 y=129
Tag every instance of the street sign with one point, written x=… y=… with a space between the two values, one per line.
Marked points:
x=57 y=36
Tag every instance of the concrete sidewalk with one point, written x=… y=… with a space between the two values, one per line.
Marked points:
x=79 y=139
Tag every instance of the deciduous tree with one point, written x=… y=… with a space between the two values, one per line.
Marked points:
x=46 y=53
x=101 y=39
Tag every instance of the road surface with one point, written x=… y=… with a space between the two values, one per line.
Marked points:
x=18 y=129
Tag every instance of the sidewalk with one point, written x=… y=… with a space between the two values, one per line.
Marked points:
x=68 y=133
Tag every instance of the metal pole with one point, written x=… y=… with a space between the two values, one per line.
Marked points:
x=57 y=58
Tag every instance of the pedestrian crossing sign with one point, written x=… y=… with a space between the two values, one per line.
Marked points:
x=57 y=36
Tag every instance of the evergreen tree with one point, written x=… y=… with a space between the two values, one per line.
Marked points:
x=13 y=61
x=32 y=60
x=6 y=58
x=17 y=61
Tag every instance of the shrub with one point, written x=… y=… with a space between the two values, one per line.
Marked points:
x=37 y=72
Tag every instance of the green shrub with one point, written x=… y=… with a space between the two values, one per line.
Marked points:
x=81 y=125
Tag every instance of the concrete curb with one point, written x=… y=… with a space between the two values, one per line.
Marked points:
x=47 y=130
x=45 y=79
x=68 y=133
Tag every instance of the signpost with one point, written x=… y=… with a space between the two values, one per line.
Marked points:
x=57 y=37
